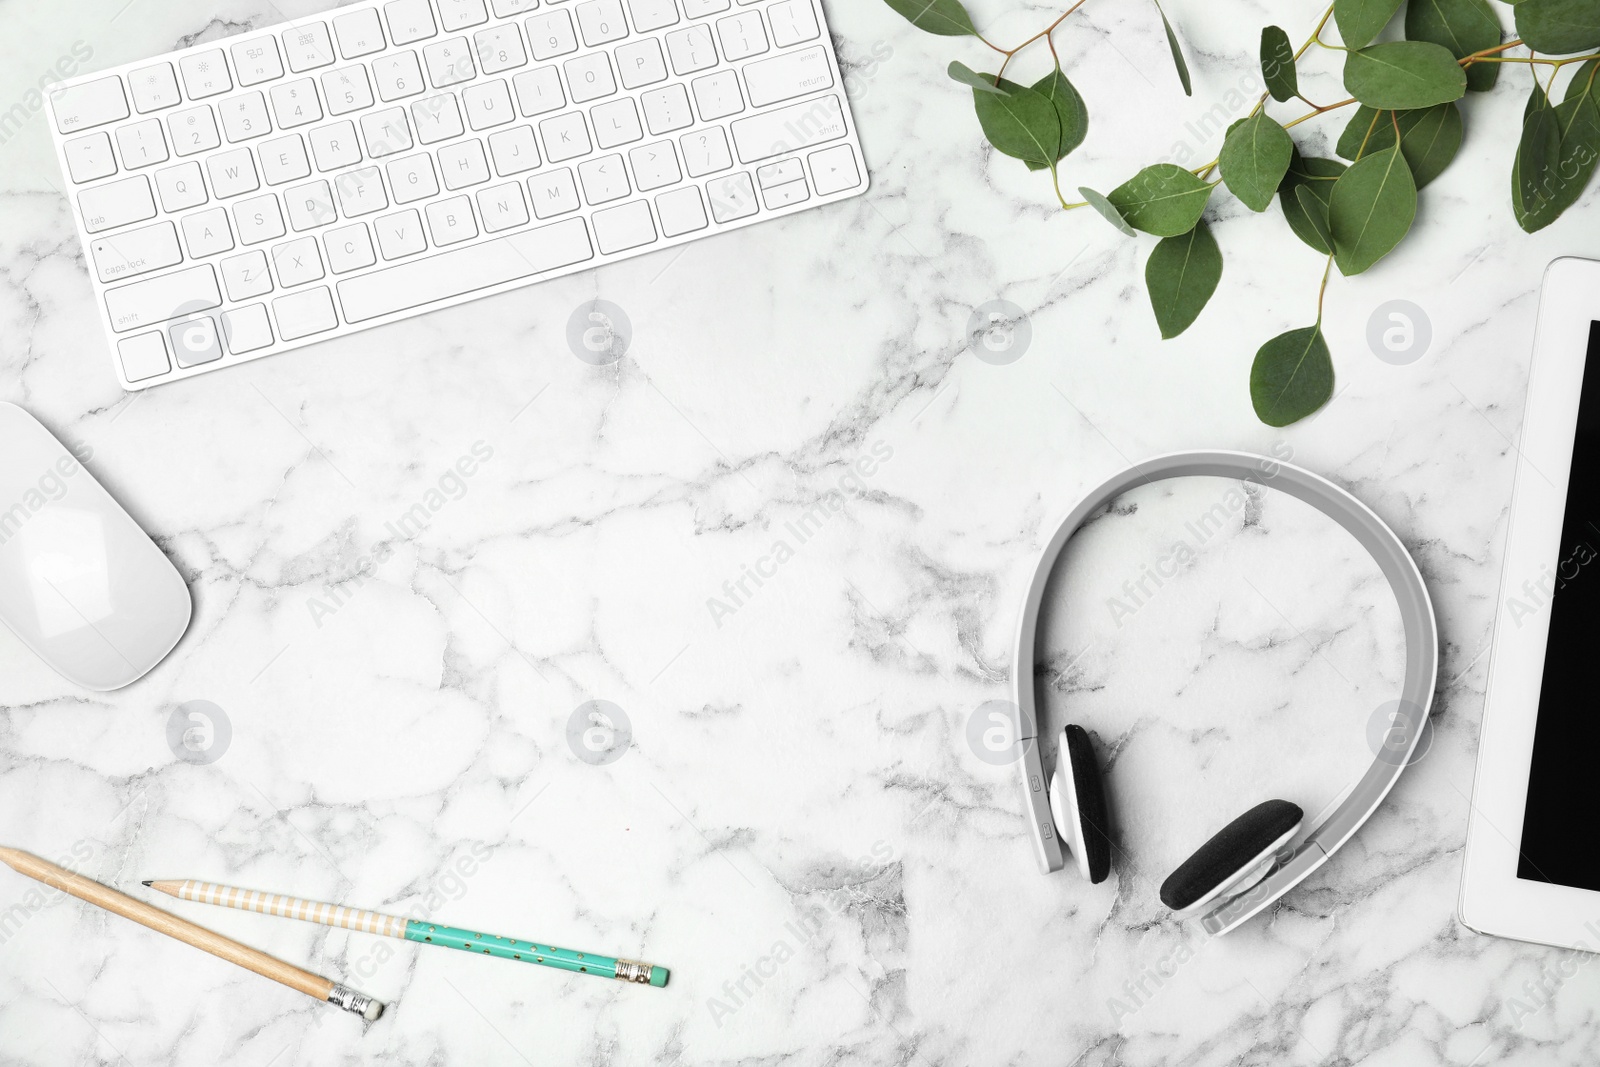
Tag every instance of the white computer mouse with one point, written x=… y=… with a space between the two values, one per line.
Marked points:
x=80 y=583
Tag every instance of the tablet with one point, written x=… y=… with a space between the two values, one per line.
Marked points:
x=1532 y=870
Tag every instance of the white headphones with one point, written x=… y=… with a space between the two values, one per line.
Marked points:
x=1261 y=855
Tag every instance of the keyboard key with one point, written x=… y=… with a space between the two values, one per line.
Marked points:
x=514 y=150
x=295 y=103
x=181 y=187
x=246 y=329
x=774 y=133
x=256 y=61
x=488 y=104
x=143 y=356
x=654 y=165
x=681 y=211
x=603 y=179
x=283 y=159
x=305 y=313
x=141 y=144
x=787 y=76
x=232 y=173
x=502 y=207
x=207 y=232
x=834 y=170
x=717 y=95
x=105 y=207
x=259 y=219
x=705 y=152
x=565 y=137
x=499 y=48
x=589 y=77
x=359 y=33
x=741 y=36
x=781 y=173
x=792 y=192
x=699 y=9
x=459 y=14
x=538 y=91
x=297 y=262
x=617 y=229
x=135 y=252
x=244 y=117
x=691 y=49
x=409 y=20
x=360 y=192
x=349 y=248
x=437 y=118
x=450 y=221
x=463 y=164
x=193 y=130
x=411 y=178
x=89 y=157
x=154 y=87
x=640 y=63
x=398 y=76
x=449 y=62
x=195 y=341
x=385 y=132
x=204 y=74
x=793 y=22
x=308 y=47
x=246 y=275
x=504 y=9
x=465 y=270
x=601 y=22
x=334 y=146
x=553 y=193
x=667 y=109
x=157 y=299
x=347 y=89
x=82 y=107
x=550 y=34
x=310 y=205
x=653 y=14
x=733 y=197
x=616 y=122
x=400 y=234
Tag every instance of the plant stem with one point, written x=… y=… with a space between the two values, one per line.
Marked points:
x=1321 y=292
x=1009 y=52
x=1318 y=111
x=1557 y=63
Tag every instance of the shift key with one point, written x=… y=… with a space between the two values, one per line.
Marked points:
x=786 y=76
x=775 y=133
x=159 y=299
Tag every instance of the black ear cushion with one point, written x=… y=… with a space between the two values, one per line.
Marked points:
x=1222 y=857
x=1092 y=814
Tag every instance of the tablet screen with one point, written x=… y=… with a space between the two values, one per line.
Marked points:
x=1563 y=804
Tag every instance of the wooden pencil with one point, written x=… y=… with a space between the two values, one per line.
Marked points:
x=206 y=940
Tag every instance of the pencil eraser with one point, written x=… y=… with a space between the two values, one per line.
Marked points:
x=374 y=1009
x=658 y=976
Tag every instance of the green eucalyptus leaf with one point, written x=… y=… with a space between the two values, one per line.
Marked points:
x=1106 y=208
x=967 y=76
x=1292 y=376
x=1177 y=52
x=1533 y=173
x=946 y=18
x=1070 y=113
x=1163 y=199
x=1402 y=75
x=1429 y=137
x=1277 y=64
x=1372 y=206
x=1181 y=274
x=1463 y=27
x=1255 y=157
x=1559 y=27
x=1360 y=21
x=1578 y=123
x=1304 y=195
x=1020 y=122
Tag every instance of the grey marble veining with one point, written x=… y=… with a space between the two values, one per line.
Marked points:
x=787 y=536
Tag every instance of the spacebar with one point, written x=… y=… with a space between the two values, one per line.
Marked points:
x=465 y=270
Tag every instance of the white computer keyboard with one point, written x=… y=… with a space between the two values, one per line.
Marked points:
x=258 y=194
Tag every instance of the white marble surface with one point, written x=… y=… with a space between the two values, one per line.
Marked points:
x=799 y=803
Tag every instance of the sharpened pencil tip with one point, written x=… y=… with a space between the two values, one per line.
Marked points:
x=147 y=883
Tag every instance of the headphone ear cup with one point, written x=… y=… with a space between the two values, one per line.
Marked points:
x=1234 y=852
x=1078 y=802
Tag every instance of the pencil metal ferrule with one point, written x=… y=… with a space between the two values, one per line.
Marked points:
x=357 y=1003
x=633 y=971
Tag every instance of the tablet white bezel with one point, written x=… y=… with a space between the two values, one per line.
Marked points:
x=1493 y=899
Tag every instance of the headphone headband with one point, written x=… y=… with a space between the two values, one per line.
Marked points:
x=1297 y=861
